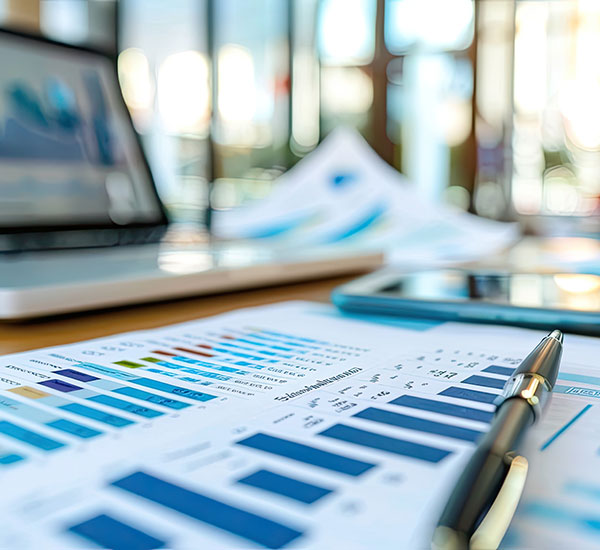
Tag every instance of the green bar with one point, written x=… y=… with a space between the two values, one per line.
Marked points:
x=151 y=359
x=128 y=364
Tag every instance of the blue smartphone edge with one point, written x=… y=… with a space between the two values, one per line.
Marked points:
x=469 y=312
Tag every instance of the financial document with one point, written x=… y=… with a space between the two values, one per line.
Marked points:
x=286 y=426
x=343 y=195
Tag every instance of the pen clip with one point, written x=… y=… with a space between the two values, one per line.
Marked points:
x=494 y=525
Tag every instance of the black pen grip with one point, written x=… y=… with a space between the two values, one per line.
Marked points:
x=485 y=472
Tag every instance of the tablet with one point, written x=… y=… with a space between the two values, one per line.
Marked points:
x=566 y=301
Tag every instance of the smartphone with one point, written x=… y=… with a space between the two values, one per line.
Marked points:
x=567 y=301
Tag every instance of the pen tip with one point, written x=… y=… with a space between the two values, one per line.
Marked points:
x=557 y=335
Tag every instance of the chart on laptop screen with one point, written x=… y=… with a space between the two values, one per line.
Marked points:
x=66 y=148
x=285 y=426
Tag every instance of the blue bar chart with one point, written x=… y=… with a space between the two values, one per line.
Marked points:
x=243 y=523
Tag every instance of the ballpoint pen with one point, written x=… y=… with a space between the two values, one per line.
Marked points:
x=519 y=406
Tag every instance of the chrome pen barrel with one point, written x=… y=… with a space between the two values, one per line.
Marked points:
x=533 y=388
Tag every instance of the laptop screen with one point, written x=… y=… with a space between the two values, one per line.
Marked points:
x=69 y=156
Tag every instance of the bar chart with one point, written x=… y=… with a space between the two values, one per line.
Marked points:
x=278 y=430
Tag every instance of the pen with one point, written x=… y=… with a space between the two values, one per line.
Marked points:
x=519 y=406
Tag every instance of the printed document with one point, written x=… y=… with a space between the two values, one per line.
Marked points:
x=285 y=426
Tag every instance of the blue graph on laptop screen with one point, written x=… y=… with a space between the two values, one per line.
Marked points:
x=67 y=150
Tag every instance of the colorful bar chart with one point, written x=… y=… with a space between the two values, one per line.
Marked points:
x=294 y=489
x=100 y=398
x=148 y=382
x=364 y=438
x=108 y=532
x=306 y=454
x=441 y=407
x=111 y=386
x=40 y=416
x=75 y=408
x=418 y=424
x=237 y=521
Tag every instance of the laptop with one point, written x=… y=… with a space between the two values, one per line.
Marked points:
x=81 y=222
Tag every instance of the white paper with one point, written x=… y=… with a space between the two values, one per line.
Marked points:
x=344 y=194
x=294 y=372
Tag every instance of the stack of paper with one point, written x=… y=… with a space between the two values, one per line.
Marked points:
x=344 y=194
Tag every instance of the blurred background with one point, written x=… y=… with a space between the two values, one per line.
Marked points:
x=489 y=105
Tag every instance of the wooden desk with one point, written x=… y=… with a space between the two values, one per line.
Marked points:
x=73 y=328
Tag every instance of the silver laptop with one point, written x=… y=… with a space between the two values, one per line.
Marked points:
x=81 y=222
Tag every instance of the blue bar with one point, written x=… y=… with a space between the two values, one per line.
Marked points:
x=76 y=375
x=497 y=369
x=5 y=460
x=565 y=427
x=244 y=355
x=26 y=436
x=292 y=337
x=567 y=376
x=385 y=443
x=176 y=390
x=471 y=395
x=279 y=341
x=95 y=414
x=485 y=381
x=417 y=424
x=152 y=398
x=442 y=408
x=286 y=486
x=125 y=406
x=74 y=429
x=306 y=454
x=554 y=515
x=236 y=521
x=183 y=359
x=107 y=532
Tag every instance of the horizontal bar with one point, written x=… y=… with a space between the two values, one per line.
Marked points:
x=123 y=405
x=497 y=369
x=11 y=458
x=151 y=398
x=108 y=532
x=471 y=395
x=95 y=414
x=285 y=486
x=418 y=424
x=213 y=366
x=307 y=454
x=569 y=377
x=553 y=514
x=380 y=442
x=195 y=352
x=176 y=390
x=73 y=428
x=485 y=381
x=59 y=385
x=236 y=521
x=442 y=408
x=27 y=436
x=128 y=364
x=76 y=375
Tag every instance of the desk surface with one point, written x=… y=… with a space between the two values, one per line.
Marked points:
x=73 y=328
